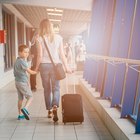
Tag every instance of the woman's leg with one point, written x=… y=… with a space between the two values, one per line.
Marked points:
x=56 y=95
x=55 y=85
x=45 y=76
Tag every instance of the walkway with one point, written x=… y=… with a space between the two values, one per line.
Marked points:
x=42 y=128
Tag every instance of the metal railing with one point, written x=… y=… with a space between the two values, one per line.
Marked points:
x=130 y=63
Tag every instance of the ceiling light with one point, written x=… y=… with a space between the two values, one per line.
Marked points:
x=54 y=10
x=55 y=20
x=58 y=10
x=54 y=14
x=50 y=10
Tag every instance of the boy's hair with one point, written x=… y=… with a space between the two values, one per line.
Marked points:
x=22 y=47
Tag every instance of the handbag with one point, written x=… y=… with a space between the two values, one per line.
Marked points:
x=59 y=71
x=58 y=68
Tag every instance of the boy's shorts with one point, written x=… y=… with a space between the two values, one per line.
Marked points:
x=23 y=90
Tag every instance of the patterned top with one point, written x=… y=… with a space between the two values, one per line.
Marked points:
x=20 y=68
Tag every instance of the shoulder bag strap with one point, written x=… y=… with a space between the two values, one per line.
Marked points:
x=48 y=51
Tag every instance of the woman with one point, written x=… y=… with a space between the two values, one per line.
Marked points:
x=33 y=55
x=49 y=82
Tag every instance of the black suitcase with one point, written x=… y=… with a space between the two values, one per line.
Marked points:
x=72 y=108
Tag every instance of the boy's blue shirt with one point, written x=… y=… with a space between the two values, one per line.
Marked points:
x=20 y=68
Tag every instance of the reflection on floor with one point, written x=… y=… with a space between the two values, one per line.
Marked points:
x=40 y=127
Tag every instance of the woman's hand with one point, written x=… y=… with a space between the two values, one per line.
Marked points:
x=69 y=70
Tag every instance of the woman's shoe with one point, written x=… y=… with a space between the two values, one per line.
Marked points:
x=55 y=117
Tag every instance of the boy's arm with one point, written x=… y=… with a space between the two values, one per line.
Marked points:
x=31 y=71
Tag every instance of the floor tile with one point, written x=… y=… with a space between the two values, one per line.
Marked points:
x=39 y=127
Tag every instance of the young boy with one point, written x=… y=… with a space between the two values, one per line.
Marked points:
x=21 y=81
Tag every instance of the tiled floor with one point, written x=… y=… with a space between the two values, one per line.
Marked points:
x=42 y=128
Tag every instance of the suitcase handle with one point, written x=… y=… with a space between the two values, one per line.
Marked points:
x=67 y=81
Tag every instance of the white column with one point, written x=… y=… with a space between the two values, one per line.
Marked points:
x=15 y=35
x=24 y=32
x=1 y=46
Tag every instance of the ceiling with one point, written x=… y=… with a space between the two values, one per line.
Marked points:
x=72 y=22
x=75 y=19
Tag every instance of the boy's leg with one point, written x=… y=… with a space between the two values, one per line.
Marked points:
x=20 y=106
x=20 y=100
x=24 y=90
x=28 y=102
x=20 y=116
x=24 y=110
x=28 y=95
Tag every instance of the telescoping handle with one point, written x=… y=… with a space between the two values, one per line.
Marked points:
x=72 y=77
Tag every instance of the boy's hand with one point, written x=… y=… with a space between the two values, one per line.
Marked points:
x=31 y=71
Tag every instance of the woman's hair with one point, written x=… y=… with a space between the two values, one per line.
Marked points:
x=46 y=28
